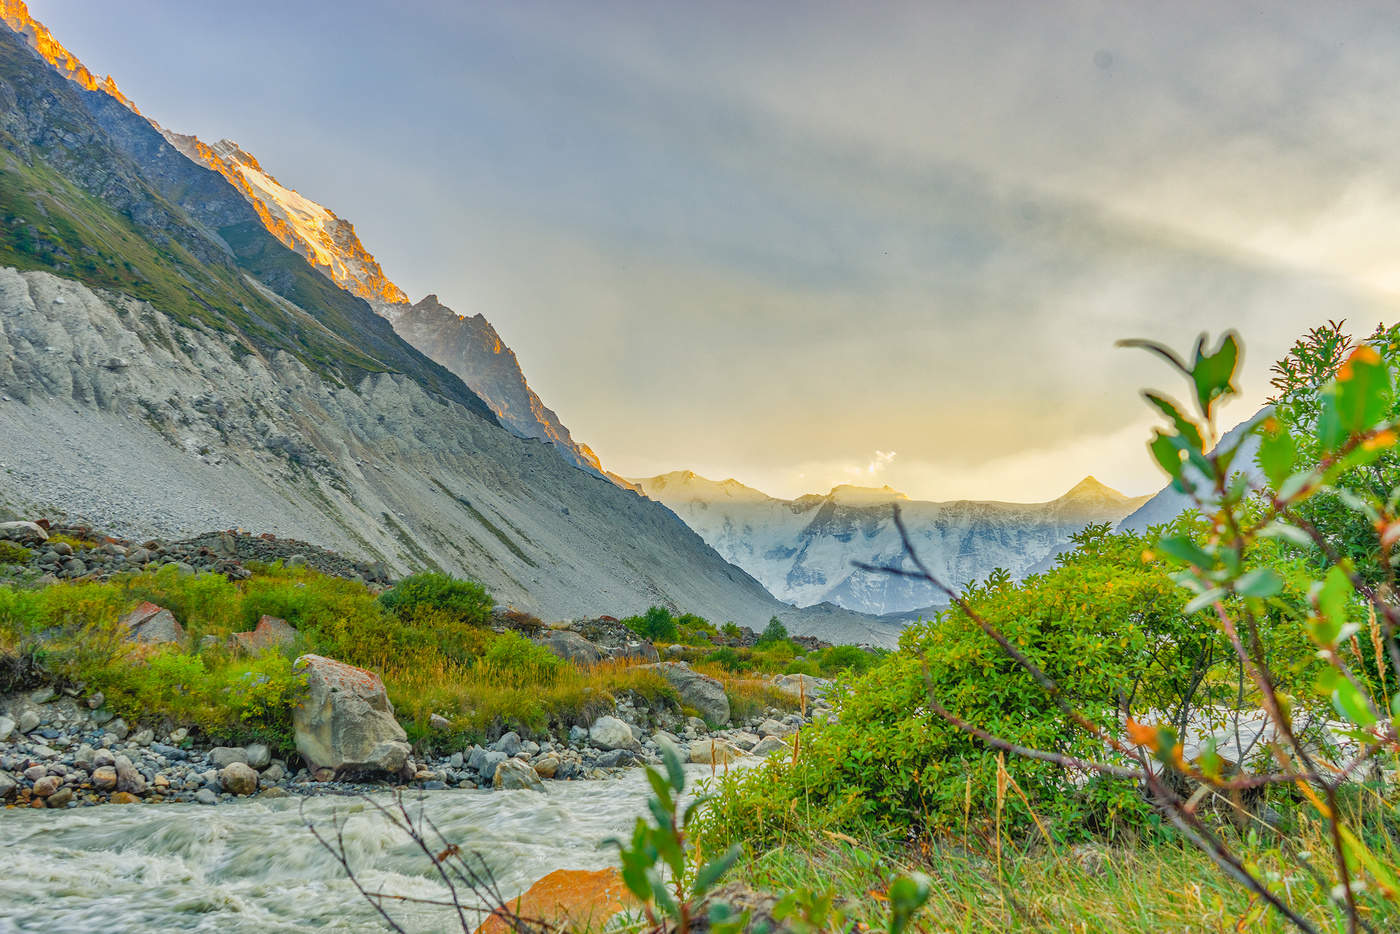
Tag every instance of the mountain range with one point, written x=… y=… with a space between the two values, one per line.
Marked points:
x=182 y=352
x=803 y=549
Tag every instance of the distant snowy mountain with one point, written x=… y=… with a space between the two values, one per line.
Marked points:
x=802 y=550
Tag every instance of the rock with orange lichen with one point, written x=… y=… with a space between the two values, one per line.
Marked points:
x=566 y=899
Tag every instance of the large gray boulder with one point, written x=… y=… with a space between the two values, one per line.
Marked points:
x=513 y=773
x=703 y=693
x=713 y=752
x=26 y=533
x=346 y=723
x=612 y=733
x=572 y=647
x=238 y=778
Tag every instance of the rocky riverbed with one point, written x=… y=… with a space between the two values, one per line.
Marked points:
x=60 y=749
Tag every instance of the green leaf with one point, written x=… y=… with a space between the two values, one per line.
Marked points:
x=1261 y=582
x=663 y=793
x=1288 y=533
x=1203 y=601
x=1395 y=705
x=1277 y=453
x=663 y=898
x=1349 y=702
x=711 y=872
x=1185 y=427
x=1214 y=373
x=674 y=770
x=1295 y=485
x=1166 y=452
x=1331 y=597
x=1185 y=550
x=1363 y=390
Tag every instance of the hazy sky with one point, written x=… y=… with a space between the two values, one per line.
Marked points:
x=802 y=243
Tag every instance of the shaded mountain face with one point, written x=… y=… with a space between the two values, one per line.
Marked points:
x=469 y=347
x=168 y=366
x=802 y=550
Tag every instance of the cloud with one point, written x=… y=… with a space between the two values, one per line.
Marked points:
x=918 y=228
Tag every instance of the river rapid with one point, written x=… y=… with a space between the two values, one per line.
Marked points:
x=252 y=865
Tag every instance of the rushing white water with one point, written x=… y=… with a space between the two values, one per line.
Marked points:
x=253 y=866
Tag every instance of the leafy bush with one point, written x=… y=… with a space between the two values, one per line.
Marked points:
x=656 y=624
x=892 y=764
x=10 y=553
x=774 y=632
x=438 y=592
x=515 y=655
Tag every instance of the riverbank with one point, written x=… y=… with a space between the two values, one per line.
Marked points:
x=59 y=749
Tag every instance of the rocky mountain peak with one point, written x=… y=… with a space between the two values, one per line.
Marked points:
x=16 y=15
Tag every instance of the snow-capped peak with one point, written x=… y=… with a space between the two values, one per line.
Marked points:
x=310 y=229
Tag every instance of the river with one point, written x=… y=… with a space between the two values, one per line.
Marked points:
x=252 y=865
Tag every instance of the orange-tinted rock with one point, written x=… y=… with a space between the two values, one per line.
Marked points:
x=270 y=633
x=124 y=797
x=566 y=899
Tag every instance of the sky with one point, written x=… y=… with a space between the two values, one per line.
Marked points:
x=803 y=244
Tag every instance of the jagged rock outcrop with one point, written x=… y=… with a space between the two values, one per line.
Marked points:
x=803 y=550
x=471 y=348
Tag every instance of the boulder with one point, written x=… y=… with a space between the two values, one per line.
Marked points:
x=801 y=686
x=642 y=651
x=345 y=723
x=742 y=739
x=565 y=900
x=571 y=647
x=701 y=692
x=513 y=773
x=270 y=633
x=439 y=723
x=258 y=755
x=546 y=765
x=222 y=756
x=612 y=733
x=8 y=729
x=508 y=744
x=769 y=745
x=151 y=624
x=25 y=533
x=8 y=785
x=774 y=728
x=47 y=785
x=713 y=752
x=128 y=778
x=238 y=778
x=104 y=778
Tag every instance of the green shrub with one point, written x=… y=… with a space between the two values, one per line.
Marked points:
x=841 y=658
x=892 y=764
x=773 y=633
x=439 y=592
x=656 y=624
x=515 y=655
x=10 y=553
